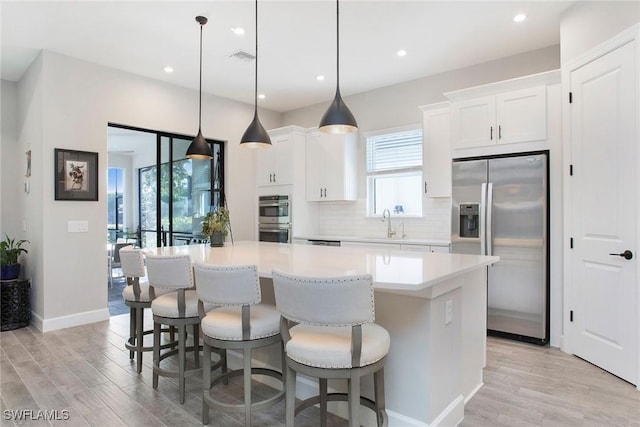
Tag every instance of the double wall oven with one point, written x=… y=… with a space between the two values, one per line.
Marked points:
x=274 y=219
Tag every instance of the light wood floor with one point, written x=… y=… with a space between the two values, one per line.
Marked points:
x=87 y=371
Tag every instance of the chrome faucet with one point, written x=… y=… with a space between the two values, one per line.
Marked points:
x=386 y=214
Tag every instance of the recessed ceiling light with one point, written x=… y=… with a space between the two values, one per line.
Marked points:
x=519 y=17
x=319 y=77
x=238 y=31
x=168 y=69
x=262 y=96
x=401 y=52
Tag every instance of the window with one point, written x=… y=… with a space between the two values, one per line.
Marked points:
x=394 y=171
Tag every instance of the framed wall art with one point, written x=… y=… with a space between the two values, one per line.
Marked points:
x=76 y=175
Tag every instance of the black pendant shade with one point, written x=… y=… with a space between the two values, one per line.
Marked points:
x=338 y=118
x=255 y=136
x=199 y=147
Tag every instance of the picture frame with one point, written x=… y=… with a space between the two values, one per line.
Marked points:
x=75 y=175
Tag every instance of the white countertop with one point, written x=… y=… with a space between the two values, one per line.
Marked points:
x=434 y=242
x=395 y=271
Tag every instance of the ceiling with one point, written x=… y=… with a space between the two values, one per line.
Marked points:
x=297 y=41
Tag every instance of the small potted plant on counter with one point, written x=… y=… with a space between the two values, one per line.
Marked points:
x=10 y=250
x=216 y=225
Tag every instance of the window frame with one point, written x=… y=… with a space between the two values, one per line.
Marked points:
x=406 y=171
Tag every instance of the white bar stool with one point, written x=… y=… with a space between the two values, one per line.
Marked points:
x=328 y=332
x=137 y=296
x=179 y=309
x=239 y=322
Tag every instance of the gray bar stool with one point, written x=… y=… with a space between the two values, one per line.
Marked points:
x=179 y=309
x=328 y=332
x=239 y=322
x=137 y=296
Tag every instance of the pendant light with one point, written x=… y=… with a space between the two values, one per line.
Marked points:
x=338 y=118
x=255 y=136
x=199 y=147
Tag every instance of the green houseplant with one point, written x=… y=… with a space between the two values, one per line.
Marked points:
x=10 y=250
x=216 y=225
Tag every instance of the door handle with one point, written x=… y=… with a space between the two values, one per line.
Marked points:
x=270 y=177
x=626 y=254
x=274 y=177
x=491 y=133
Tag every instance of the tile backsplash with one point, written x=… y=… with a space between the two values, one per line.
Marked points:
x=349 y=219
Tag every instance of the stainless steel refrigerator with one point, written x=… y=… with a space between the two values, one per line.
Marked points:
x=500 y=207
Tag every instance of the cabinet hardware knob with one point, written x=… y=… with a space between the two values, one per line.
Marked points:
x=626 y=254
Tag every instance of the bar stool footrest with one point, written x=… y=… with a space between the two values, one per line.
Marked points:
x=240 y=407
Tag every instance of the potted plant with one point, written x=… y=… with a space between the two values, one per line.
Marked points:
x=216 y=225
x=10 y=249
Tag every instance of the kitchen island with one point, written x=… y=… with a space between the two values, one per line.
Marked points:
x=432 y=304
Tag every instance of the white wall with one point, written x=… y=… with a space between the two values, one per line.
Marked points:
x=396 y=106
x=10 y=172
x=587 y=24
x=67 y=103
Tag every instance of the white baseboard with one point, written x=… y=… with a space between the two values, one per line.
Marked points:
x=473 y=392
x=77 y=319
x=452 y=414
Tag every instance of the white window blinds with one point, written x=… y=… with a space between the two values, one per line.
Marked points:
x=394 y=151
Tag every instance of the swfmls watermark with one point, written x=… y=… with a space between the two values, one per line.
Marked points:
x=36 y=414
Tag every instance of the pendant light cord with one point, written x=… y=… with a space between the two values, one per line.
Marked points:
x=255 y=92
x=200 y=91
x=337 y=45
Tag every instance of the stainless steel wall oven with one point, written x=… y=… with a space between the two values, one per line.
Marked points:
x=274 y=219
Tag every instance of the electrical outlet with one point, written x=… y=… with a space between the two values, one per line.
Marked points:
x=448 y=312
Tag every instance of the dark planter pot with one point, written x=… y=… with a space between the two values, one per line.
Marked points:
x=217 y=239
x=10 y=272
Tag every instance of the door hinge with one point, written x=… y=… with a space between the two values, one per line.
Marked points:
x=570 y=170
x=571 y=316
x=570 y=97
x=571 y=242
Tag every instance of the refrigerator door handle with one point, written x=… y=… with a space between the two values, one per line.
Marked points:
x=483 y=198
x=489 y=219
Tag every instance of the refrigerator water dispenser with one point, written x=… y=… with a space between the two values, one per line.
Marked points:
x=469 y=220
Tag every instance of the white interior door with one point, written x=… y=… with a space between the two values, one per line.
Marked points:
x=604 y=192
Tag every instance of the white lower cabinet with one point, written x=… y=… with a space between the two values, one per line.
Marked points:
x=441 y=249
x=370 y=245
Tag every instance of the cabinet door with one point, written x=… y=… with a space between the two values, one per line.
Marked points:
x=282 y=159
x=275 y=164
x=522 y=115
x=264 y=167
x=331 y=167
x=333 y=163
x=373 y=245
x=441 y=249
x=437 y=152
x=416 y=248
x=474 y=122
x=314 y=154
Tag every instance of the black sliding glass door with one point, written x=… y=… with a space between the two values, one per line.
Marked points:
x=175 y=192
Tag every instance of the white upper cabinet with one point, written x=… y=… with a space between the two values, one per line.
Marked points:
x=274 y=165
x=331 y=167
x=517 y=116
x=512 y=111
x=436 y=150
